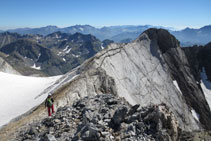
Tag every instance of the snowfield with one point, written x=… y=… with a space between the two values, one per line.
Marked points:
x=206 y=87
x=18 y=94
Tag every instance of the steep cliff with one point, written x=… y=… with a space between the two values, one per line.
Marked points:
x=151 y=70
x=199 y=57
x=180 y=71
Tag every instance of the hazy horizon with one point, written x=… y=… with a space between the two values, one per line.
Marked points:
x=101 y=26
x=32 y=14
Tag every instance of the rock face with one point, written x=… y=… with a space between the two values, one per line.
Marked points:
x=104 y=117
x=180 y=71
x=5 y=67
x=7 y=38
x=144 y=72
x=199 y=57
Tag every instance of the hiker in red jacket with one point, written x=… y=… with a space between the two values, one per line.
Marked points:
x=49 y=103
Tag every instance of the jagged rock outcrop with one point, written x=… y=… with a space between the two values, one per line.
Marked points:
x=199 y=57
x=143 y=72
x=105 y=117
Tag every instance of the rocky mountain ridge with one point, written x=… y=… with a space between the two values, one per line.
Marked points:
x=114 y=120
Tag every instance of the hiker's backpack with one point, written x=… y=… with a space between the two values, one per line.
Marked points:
x=49 y=102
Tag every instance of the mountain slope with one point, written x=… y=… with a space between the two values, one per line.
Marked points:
x=7 y=38
x=29 y=57
x=54 y=54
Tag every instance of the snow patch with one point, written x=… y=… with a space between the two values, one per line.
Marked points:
x=195 y=115
x=38 y=56
x=66 y=48
x=59 y=54
x=177 y=86
x=38 y=38
x=81 y=29
x=18 y=94
x=206 y=87
x=76 y=55
x=68 y=51
x=57 y=37
x=205 y=79
x=35 y=67
x=102 y=46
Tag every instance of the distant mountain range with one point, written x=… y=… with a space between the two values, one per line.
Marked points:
x=53 y=54
x=190 y=36
x=187 y=36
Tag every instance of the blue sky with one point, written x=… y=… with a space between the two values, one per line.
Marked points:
x=62 y=13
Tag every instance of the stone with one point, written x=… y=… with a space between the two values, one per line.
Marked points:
x=118 y=117
x=57 y=121
x=111 y=102
x=131 y=130
x=51 y=130
x=141 y=127
x=88 y=132
x=133 y=118
x=48 y=122
x=103 y=110
x=133 y=109
x=48 y=137
x=33 y=131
